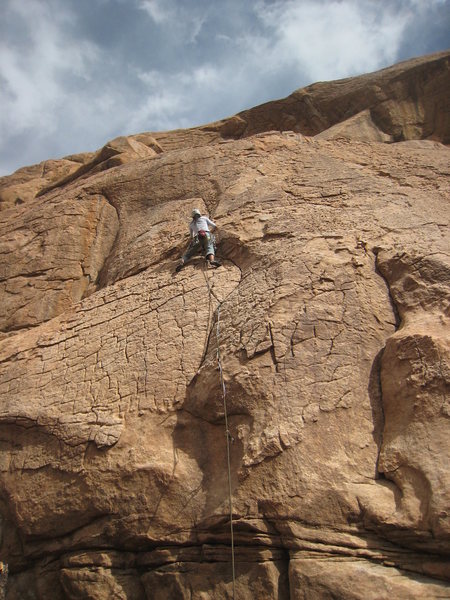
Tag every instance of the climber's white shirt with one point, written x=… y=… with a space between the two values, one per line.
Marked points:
x=202 y=223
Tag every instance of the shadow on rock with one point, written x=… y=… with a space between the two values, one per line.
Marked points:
x=200 y=434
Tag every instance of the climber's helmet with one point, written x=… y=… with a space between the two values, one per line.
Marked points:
x=196 y=213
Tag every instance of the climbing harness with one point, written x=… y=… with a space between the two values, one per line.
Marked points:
x=201 y=241
x=205 y=241
x=228 y=435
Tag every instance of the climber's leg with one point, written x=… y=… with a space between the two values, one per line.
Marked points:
x=192 y=249
x=209 y=252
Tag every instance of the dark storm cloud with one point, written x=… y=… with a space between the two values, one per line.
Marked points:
x=76 y=74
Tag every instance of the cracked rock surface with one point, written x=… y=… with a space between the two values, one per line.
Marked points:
x=330 y=319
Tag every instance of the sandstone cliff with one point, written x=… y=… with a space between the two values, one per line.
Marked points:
x=330 y=313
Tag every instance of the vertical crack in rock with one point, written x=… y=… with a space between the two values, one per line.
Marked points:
x=378 y=361
x=102 y=271
x=414 y=386
x=392 y=298
x=48 y=269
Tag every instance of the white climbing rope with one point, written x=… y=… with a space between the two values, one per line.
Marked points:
x=227 y=434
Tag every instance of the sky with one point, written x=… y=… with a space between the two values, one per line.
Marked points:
x=77 y=73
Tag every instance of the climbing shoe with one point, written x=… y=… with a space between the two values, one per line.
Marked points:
x=179 y=267
x=215 y=263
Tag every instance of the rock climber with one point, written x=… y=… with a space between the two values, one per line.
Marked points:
x=201 y=239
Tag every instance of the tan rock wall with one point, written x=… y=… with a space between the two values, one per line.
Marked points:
x=331 y=318
x=52 y=253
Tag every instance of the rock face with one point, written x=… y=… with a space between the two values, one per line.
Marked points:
x=330 y=320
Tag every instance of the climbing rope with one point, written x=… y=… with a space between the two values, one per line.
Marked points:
x=227 y=433
x=228 y=436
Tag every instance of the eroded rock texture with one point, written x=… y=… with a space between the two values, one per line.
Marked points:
x=330 y=314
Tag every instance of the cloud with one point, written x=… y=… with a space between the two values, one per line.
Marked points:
x=75 y=74
x=183 y=22
x=422 y=6
x=157 y=10
x=33 y=82
x=171 y=100
x=51 y=92
x=332 y=40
